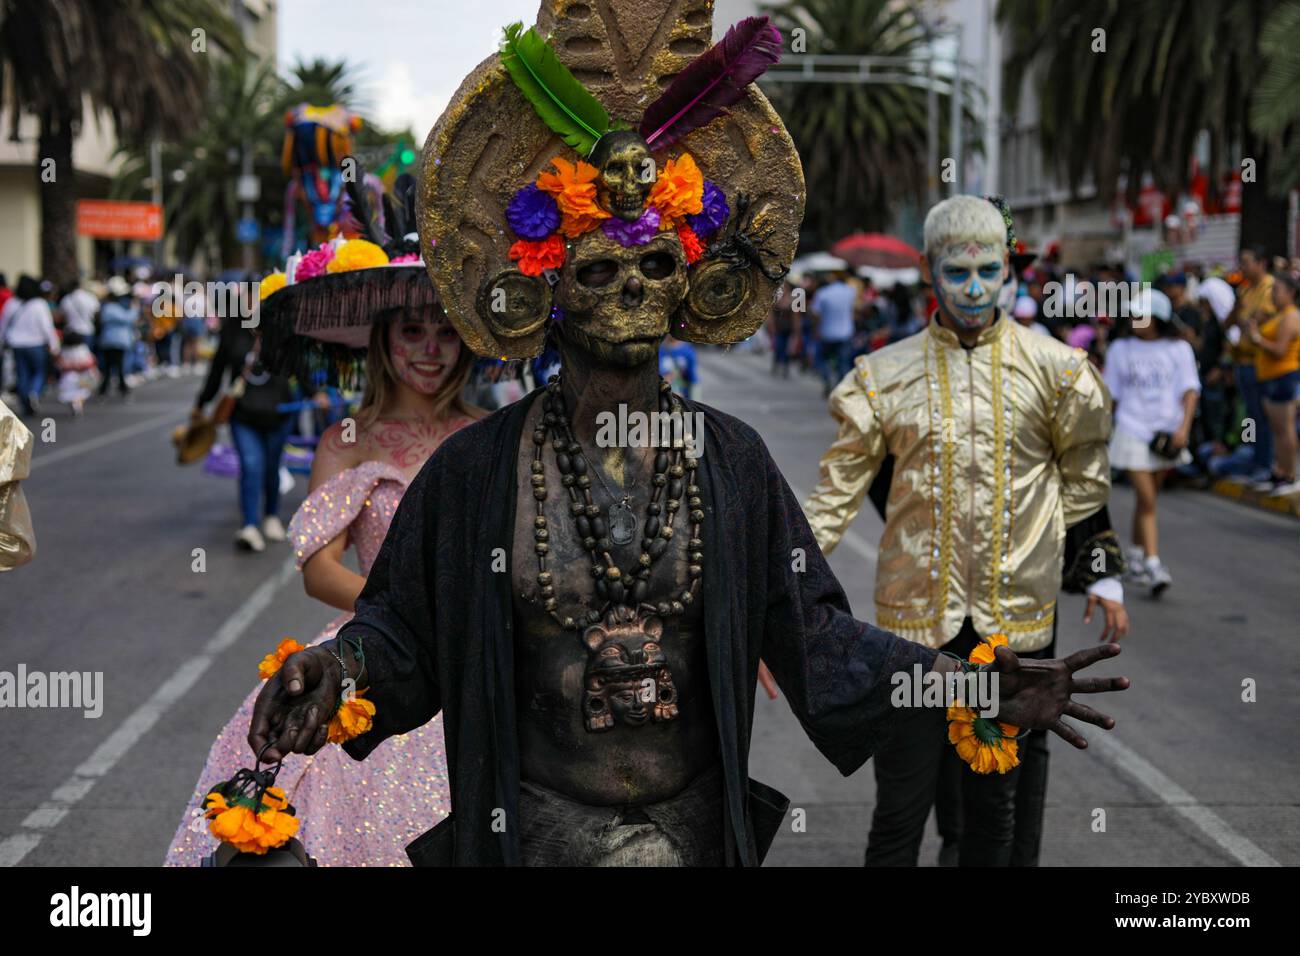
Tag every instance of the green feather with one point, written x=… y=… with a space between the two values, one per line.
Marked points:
x=561 y=101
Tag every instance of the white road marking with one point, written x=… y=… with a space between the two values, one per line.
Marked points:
x=1172 y=795
x=64 y=797
x=108 y=438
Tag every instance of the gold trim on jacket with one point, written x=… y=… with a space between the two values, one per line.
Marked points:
x=997 y=450
x=17 y=537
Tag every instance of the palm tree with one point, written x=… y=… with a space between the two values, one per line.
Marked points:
x=245 y=103
x=863 y=146
x=133 y=60
x=322 y=82
x=1170 y=69
x=1275 y=112
x=201 y=208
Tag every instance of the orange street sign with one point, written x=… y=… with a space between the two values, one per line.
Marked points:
x=119 y=219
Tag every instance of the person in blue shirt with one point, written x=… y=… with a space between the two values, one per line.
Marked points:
x=833 y=306
x=677 y=365
x=117 y=332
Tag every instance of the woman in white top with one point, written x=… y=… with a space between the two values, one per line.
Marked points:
x=28 y=329
x=1152 y=377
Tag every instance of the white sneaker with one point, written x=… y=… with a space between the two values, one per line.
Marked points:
x=272 y=530
x=1285 y=489
x=1135 y=567
x=1159 y=576
x=250 y=539
x=1134 y=557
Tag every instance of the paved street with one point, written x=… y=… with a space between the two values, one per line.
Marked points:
x=1191 y=776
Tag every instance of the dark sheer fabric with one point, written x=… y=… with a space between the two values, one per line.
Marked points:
x=435 y=619
x=1092 y=552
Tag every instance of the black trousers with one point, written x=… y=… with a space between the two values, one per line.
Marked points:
x=997 y=819
x=113 y=365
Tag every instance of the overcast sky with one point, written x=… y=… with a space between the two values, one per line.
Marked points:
x=412 y=53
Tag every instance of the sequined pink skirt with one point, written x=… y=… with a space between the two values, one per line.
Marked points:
x=352 y=813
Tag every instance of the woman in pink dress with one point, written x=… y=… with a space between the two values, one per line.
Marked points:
x=353 y=813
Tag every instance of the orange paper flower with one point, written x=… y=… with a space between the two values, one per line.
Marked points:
x=679 y=190
x=272 y=662
x=983 y=652
x=574 y=187
x=352 y=719
x=984 y=744
x=248 y=826
x=536 y=256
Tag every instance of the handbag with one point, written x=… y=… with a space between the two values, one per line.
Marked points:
x=235 y=390
x=1162 y=445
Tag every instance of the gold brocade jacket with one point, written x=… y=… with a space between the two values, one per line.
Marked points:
x=997 y=450
x=17 y=538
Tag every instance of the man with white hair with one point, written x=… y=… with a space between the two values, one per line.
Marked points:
x=983 y=445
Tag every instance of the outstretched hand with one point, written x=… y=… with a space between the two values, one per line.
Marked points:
x=293 y=711
x=1036 y=693
x=1116 y=624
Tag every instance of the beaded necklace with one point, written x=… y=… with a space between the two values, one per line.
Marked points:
x=615 y=586
x=627 y=679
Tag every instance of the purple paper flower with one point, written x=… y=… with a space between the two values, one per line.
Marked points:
x=633 y=233
x=715 y=212
x=533 y=214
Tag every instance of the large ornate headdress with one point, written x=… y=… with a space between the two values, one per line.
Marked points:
x=611 y=125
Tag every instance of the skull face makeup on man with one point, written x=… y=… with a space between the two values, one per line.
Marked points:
x=424 y=348
x=617 y=300
x=966 y=261
x=968 y=276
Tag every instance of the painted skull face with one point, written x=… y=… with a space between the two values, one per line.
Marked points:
x=967 y=279
x=618 y=300
x=626 y=174
x=424 y=347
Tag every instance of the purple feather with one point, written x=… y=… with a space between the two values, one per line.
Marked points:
x=712 y=81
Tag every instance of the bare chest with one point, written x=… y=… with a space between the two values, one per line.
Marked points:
x=610 y=668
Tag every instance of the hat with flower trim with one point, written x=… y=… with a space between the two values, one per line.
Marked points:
x=612 y=131
x=317 y=312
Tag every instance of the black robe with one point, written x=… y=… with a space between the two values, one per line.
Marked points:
x=436 y=621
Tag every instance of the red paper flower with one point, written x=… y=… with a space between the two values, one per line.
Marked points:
x=691 y=244
x=535 y=257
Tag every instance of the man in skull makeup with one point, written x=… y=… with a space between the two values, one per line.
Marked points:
x=983 y=445
x=589 y=620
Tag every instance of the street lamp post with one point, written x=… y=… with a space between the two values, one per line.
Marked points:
x=955 y=131
x=156 y=194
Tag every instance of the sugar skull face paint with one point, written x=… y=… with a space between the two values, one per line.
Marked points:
x=424 y=348
x=967 y=279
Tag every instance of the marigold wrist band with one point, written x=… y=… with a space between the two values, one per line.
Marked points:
x=984 y=743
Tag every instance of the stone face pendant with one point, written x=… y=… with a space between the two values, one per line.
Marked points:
x=622 y=523
x=627 y=679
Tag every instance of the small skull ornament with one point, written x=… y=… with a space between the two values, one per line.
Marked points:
x=627 y=172
x=618 y=300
